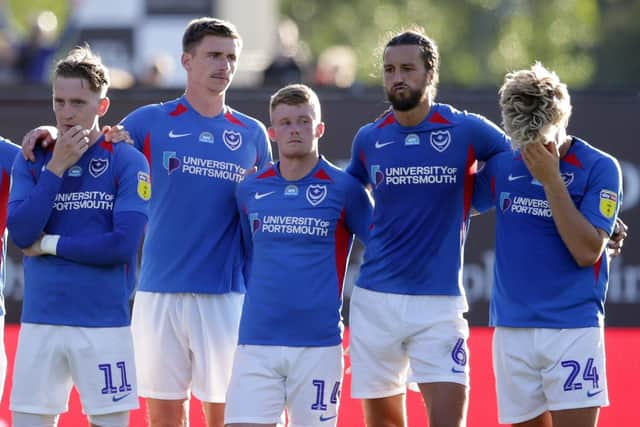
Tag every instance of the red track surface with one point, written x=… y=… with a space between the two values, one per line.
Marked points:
x=623 y=366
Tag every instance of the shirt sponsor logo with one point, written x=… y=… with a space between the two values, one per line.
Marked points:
x=254 y=221
x=208 y=168
x=608 y=203
x=308 y=226
x=377 y=177
x=411 y=175
x=75 y=171
x=83 y=200
x=173 y=134
x=316 y=194
x=323 y=418
x=524 y=205
x=440 y=140
x=379 y=144
x=144 y=186
x=412 y=139
x=170 y=161
x=98 y=166
x=233 y=140
x=206 y=137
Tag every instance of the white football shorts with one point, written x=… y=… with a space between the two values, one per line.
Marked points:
x=52 y=358
x=540 y=369
x=267 y=379
x=397 y=339
x=185 y=342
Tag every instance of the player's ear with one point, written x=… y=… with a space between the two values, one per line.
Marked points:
x=186 y=61
x=319 y=130
x=103 y=106
x=272 y=134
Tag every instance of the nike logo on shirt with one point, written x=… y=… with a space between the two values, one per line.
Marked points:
x=259 y=196
x=513 y=178
x=379 y=144
x=595 y=393
x=323 y=418
x=172 y=134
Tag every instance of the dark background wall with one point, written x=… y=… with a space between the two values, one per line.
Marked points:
x=609 y=120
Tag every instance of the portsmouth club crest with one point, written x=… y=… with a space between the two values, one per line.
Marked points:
x=233 y=140
x=316 y=194
x=440 y=140
x=98 y=166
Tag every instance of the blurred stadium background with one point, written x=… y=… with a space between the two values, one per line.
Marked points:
x=594 y=45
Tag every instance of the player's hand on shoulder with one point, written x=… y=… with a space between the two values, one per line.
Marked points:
x=616 y=241
x=115 y=134
x=71 y=145
x=250 y=171
x=43 y=135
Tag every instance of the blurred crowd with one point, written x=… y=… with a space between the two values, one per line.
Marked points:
x=27 y=57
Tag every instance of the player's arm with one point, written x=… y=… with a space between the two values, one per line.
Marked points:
x=115 y=247
x=356 y=167
x=488 y=139
x=245 y=229
x=120 y=244
x=263 y=146
x=584 y=241
x=484 y=194
x=358 y=211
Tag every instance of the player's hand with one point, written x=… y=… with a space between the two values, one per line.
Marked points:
x=68 y=149
x=115 y=134
x=254 y=169
x=35 y=249
x=543 y=161
x=44 y=135
x=614 y=245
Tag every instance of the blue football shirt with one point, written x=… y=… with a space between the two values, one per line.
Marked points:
x=107 y=180
x=298 y=236
x=537 y=282
x=422 y=180
x=192 y=242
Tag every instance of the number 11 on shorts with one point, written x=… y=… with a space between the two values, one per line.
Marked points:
x=109 y=388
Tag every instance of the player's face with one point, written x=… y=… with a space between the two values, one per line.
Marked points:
x=404 y=76
x=212 y=63
x=74 y=103
x=295 y=130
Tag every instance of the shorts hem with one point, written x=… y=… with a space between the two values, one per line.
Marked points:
x=211 y=398
x=377 y=394
x=579 y=405
x=37 y=410
x=255 y=420
x=445 y=379
x=520 y=418
x=163 y=396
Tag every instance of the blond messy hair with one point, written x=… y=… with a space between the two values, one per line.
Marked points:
x=531 y=100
